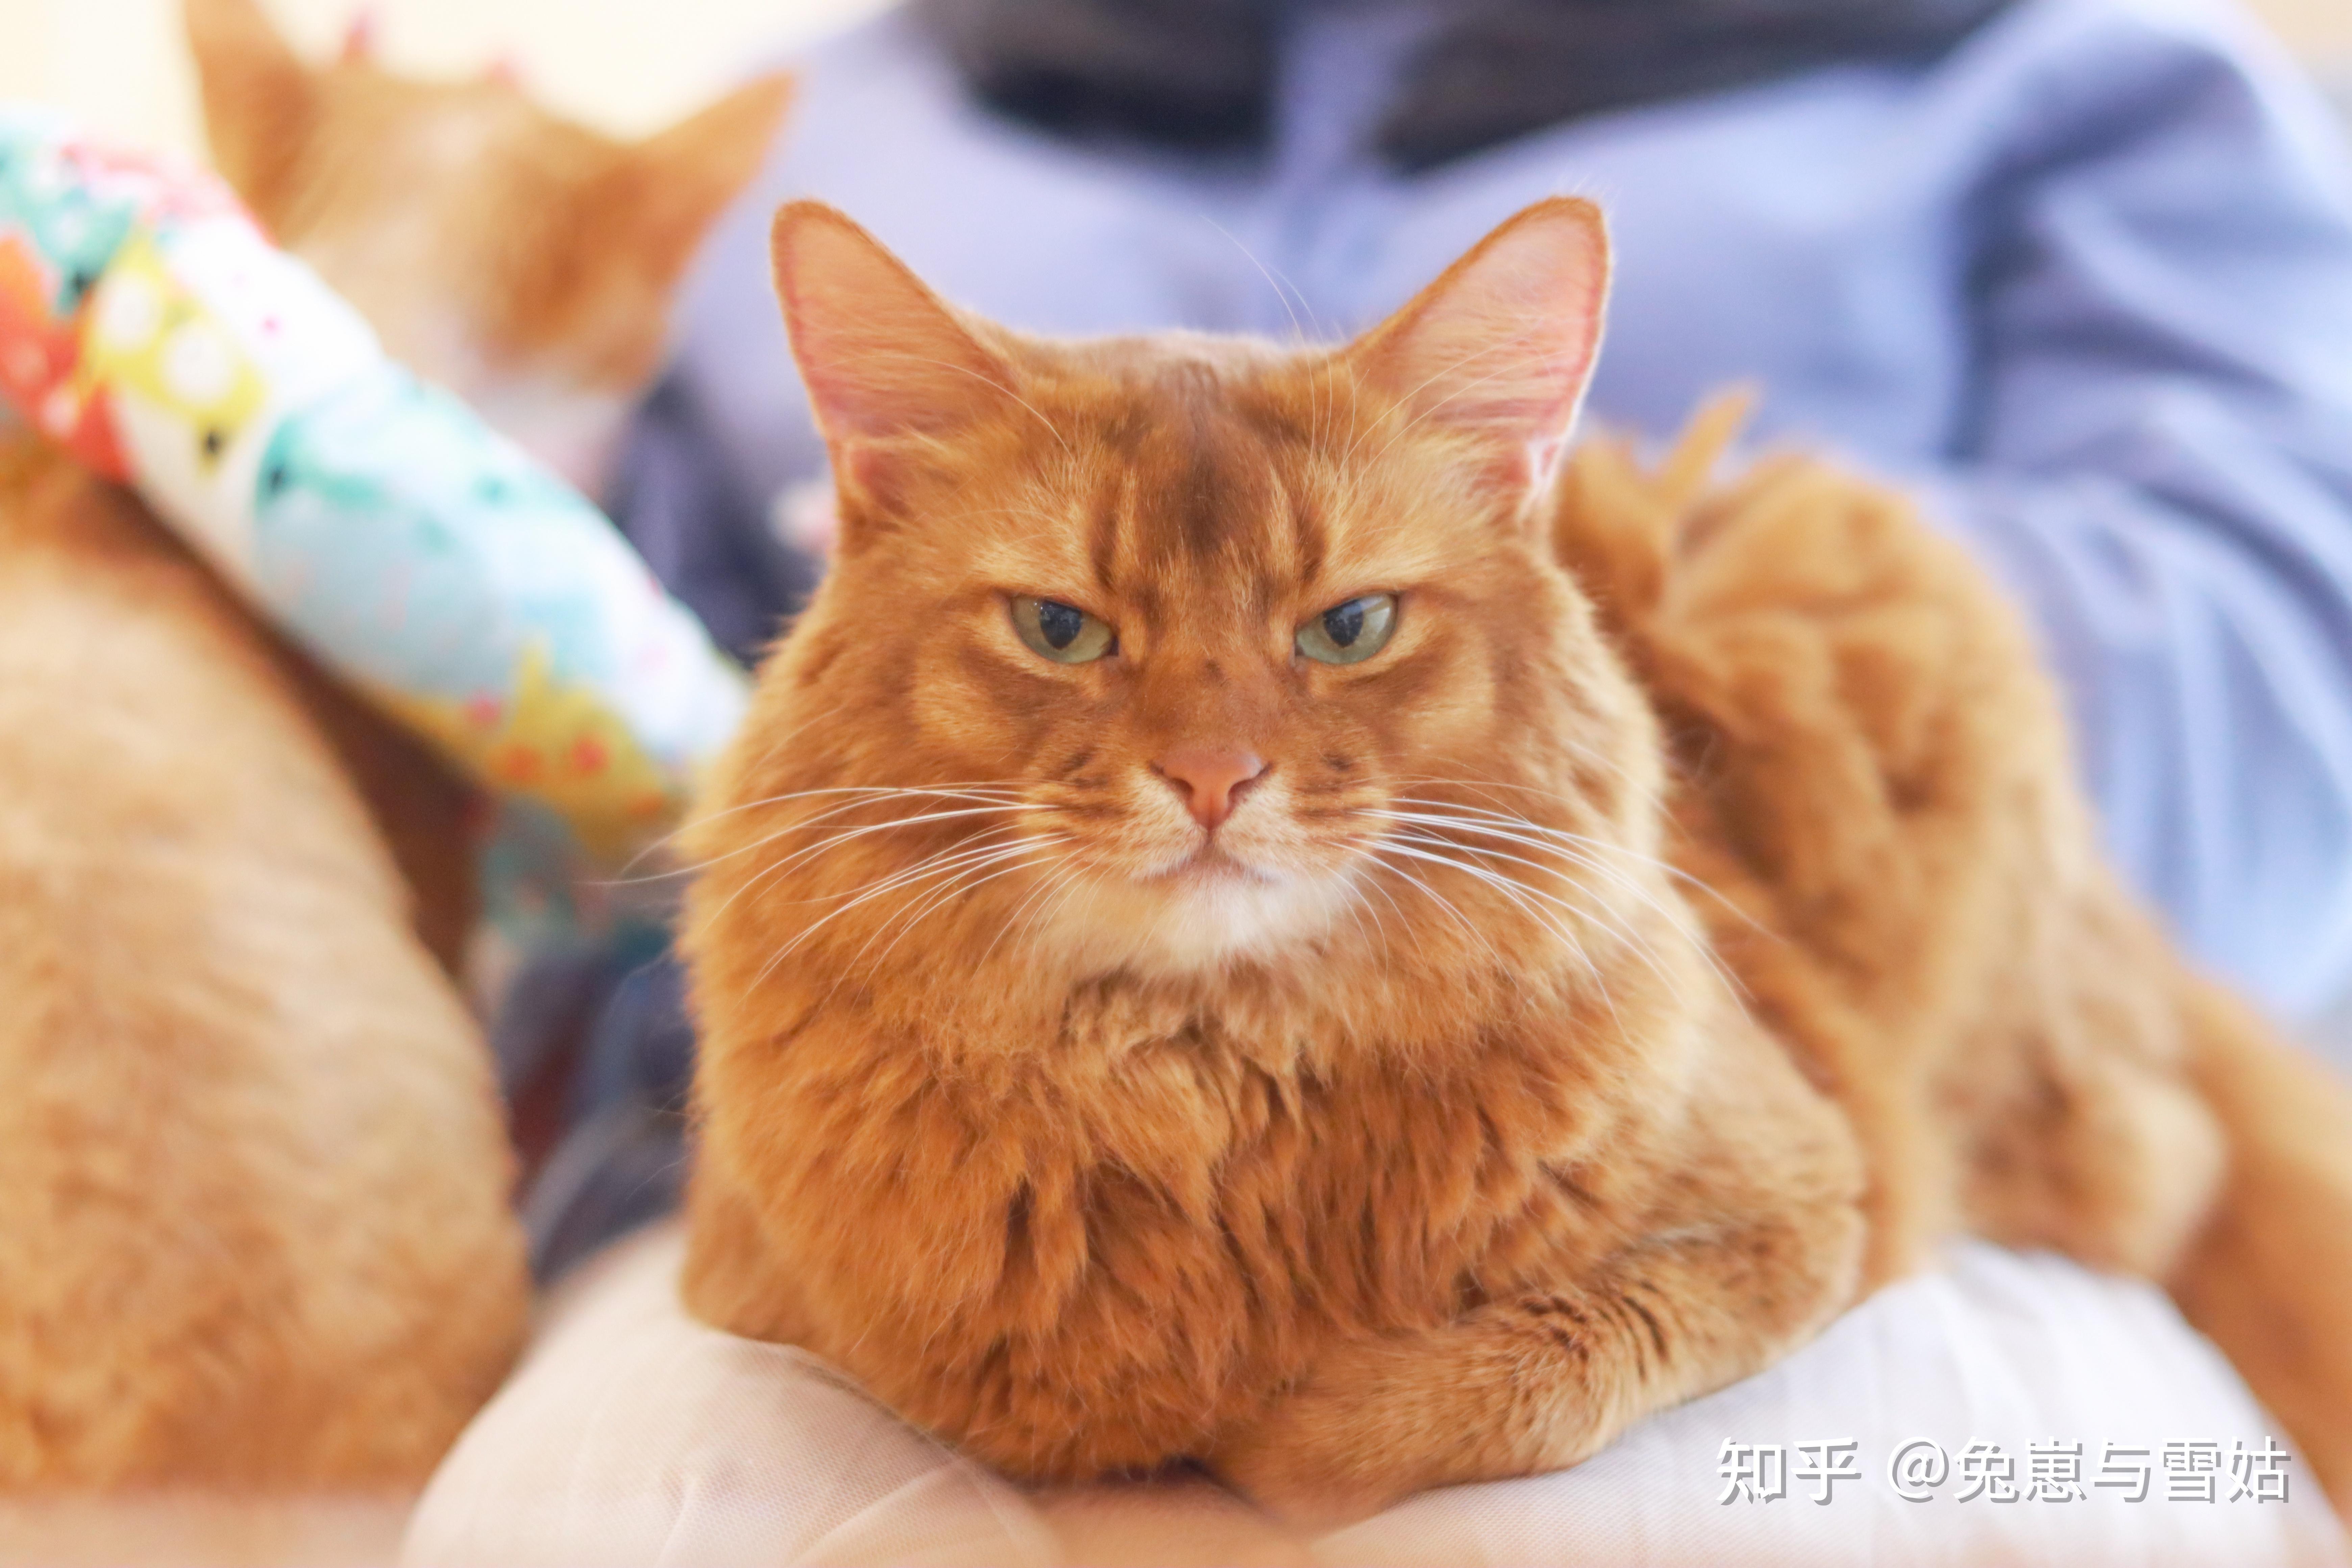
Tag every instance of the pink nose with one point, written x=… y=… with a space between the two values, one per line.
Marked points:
x=1211 y=783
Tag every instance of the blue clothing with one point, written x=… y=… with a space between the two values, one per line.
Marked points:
x=2085 y=283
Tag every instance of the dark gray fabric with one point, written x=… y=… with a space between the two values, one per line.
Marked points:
x=1510 y=66
x=709 y=543
x=1195 y=74
x=617 y=1016
x=1200 y=74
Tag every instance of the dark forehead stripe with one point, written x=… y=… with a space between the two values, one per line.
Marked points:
x=1118 y=428
x=1309 y=540
x=1105 y=509
x=1205 y=505
x=1208 y=500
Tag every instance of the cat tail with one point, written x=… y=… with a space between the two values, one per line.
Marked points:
x=1615 y=518
x=2269 y=1277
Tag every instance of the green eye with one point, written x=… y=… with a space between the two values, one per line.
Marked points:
x=1351 y=632
x=1063 y=633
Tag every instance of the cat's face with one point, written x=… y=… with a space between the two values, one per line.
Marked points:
x=1223 y=645
x=521 y=261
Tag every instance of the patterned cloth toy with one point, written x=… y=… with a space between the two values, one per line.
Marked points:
x=147 y=326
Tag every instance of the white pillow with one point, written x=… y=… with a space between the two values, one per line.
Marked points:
x=636 y=1436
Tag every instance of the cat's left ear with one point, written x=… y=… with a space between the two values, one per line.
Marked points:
x=1501 y=348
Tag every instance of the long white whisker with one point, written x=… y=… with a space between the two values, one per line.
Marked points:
x=1064 y=870
x=1008 y=801
x=1516 y=893
x=1360 y=902
x=944 y=859
x=1573 y=848
x=1566 y=852
x=1487 y=786
x=860 y=900
x=1066 y=888
x=1512 y=887
x=1440 y=899
x=1596 y=845
x=1603 y=916
x=843 y=835
x=1027 y=853
x=776 y=744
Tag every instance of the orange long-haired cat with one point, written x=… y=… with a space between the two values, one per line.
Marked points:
x=254 y=1223
x=1245 y=926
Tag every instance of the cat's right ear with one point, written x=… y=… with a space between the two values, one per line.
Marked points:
x=1498 y=351
x=260 y=99
x=884 y=358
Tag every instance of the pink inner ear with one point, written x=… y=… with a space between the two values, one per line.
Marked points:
x=881 y=355
x=1504 y=344
x=359 y=38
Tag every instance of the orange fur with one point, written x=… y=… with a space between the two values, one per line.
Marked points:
x=2269 y=1279
x=1877 y=785
x=1397 y=1132
x=1874 y=777
x=254 y=1227
x=253 y=1223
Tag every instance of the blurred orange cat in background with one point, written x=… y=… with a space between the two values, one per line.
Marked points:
x=254 y=1183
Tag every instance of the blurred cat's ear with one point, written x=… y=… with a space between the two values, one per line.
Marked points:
x=1501 y=348
x=668 y=189
x=360 y=36
x=883 y=356
x=260 y=100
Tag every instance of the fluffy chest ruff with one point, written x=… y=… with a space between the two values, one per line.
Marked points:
x=1096 y=1258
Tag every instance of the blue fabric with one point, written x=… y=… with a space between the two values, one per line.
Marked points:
x=608 y=1021
x=2086 y=283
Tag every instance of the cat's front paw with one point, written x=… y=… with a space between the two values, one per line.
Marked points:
x=1307 y=1463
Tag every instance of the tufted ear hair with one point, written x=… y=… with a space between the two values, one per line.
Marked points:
x=1500 y=349
x=889 y=367
x=884 y=357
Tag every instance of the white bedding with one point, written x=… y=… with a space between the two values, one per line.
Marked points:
x=635 y=1435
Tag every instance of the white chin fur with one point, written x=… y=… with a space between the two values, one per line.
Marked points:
x=1182 y=926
